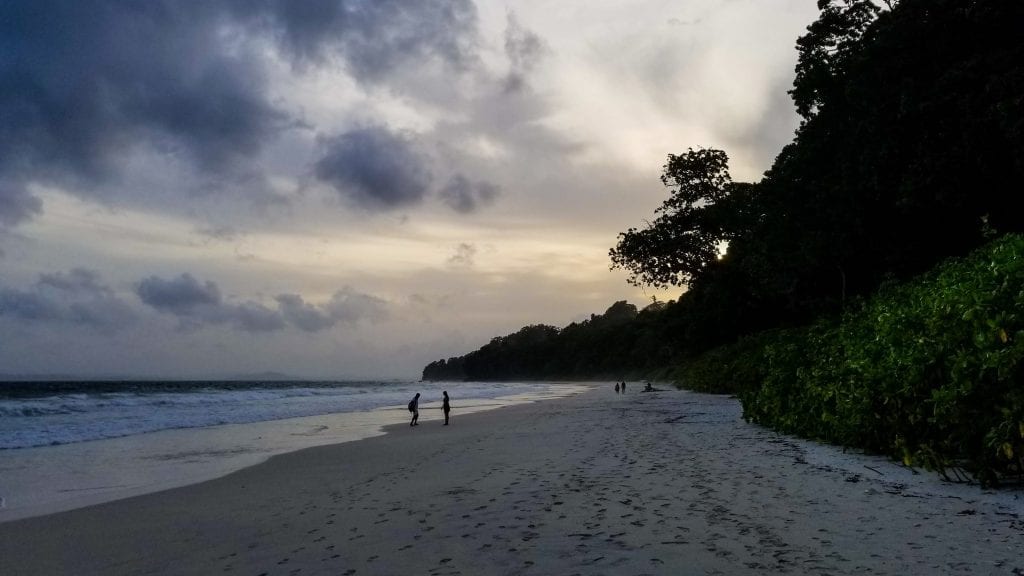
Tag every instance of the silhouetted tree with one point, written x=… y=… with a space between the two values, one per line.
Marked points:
x=702 y=212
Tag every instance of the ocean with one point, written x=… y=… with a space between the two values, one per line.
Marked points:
x=54 y=413
x=64 y=445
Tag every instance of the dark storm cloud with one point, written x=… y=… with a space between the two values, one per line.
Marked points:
x=302 y=315
x=180 y=296
x=77 y=297
x=251 y=317
x=84 y=84
x=375 y=168
x=372 y=38
x=197 y=304
x=465 y=196
x=16 y=204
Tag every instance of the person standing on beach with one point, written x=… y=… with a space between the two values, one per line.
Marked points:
x=616 y=387
x=414 y=407
x=623 y=386
x=446 y=407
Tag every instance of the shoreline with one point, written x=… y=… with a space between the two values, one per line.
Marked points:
x=654 y=483
x=45 y=480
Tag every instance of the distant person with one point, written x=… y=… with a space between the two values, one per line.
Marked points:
x=414 y=407
x=623 y=386
x=648 y=388
x=616 y=387
x=446 y=407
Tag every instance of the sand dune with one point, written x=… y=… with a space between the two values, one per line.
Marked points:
x=662 y=483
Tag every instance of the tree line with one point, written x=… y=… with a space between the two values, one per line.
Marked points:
x=910 y=151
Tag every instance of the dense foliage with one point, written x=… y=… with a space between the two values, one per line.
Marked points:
x=617 y=344
x=800 y=295
x=930 y=371
x=910 y=149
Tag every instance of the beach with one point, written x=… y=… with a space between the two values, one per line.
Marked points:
x=668 y=482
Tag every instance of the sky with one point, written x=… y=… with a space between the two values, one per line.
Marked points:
x=350 y=189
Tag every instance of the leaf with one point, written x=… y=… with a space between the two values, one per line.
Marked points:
x=1003 y=336
x=1007 y=449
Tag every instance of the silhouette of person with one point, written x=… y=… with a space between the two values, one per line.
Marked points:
x=623 y=386
x=414 y=407
x=446 y=407
x=616 y=387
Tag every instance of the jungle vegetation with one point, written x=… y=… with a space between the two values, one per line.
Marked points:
x=868 y=289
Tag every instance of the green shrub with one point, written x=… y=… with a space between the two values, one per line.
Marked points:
x=725 y=370
x=930 y=372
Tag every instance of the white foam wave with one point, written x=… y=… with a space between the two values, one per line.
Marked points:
x=62 y=419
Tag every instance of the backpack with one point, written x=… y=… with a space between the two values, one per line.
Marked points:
x=410 y=405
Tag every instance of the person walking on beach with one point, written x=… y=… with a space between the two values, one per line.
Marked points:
x=414 y=407
x=446 y=407
x=616 y=387
x=623 y=386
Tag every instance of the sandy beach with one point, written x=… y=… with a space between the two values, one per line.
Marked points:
x=599 y=483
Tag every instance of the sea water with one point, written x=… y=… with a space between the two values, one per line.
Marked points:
x=53 y=413
x=64 y=445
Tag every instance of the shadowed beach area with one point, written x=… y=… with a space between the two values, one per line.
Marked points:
x=599 y=483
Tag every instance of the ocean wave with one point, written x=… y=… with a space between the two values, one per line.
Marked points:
x=78 y=416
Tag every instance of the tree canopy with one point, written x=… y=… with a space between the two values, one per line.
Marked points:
x=910 y=150
x=703 y=211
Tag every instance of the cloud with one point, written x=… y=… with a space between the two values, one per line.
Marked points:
x=302 y=315
x=524 y=50
x=761 y=141
x=682 y=22
x=16 y=203
x=464 y=255
x=375 y=168
x=223 y=233
x=347 y=306
x=77 y=297
x=465 y=196
x=372 y=39
x=78 y=280
x=84 y=86
x=180 y=296
x=251 y=317
x=197 y=304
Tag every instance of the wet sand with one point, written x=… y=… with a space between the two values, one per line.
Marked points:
x=50 y=479
x=662 y=483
